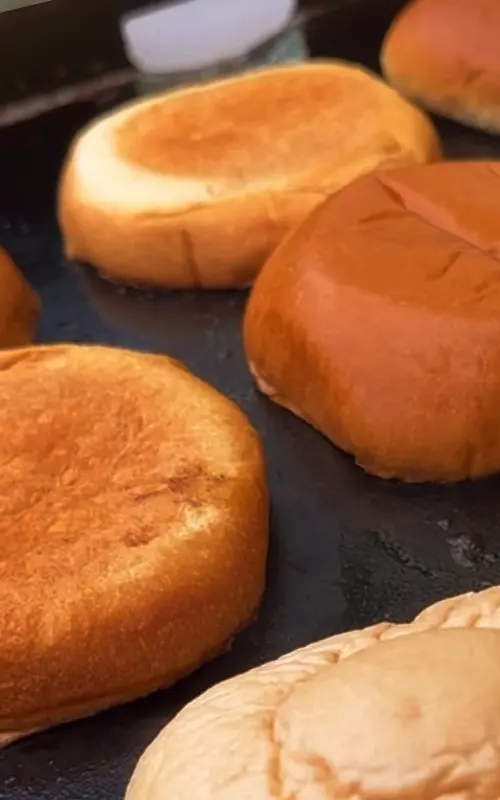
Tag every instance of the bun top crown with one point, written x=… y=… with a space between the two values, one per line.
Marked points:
x=416 y=717
x=443 y=217
x=378 y=321
x=460 y=33
x=444 y=54
x=391 y=712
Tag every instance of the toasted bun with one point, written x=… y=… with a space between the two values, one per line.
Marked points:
x=393 y=711
x=19 y=305
x=133 y=529
x=195 y=188
x=378 y=321
x=445 y=55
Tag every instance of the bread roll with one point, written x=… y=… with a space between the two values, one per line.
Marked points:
x=195 y=188
x=378 y=321
x=392 y=711
x=445 y=55
x=133 y=529
x=18 y=305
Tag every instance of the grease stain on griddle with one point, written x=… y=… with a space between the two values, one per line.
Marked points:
x=398 y=552
x=468 y=550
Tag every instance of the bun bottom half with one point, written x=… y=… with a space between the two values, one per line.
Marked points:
x=133 y=529
x=195 y=188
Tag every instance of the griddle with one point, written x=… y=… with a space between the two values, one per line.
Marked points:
x=347 y=549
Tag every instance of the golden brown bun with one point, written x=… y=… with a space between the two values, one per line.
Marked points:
x=195 y=188
x=378 y=321
x=445 y=55
x=19 y=305
x=133 y=529
x=392 y=711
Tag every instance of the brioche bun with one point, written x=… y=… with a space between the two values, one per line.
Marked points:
x=133 y=529
x=194 y=188
x=378 y=322
x=19 y=305
x=393 y=711
x=444 y=54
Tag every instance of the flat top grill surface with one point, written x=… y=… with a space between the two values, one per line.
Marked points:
x=347 y=549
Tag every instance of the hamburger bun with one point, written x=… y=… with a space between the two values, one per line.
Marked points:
x=19 y=305
x=194 y=188
x=444 y=54
x=133 y=529
x=378 y=322
x=392 y=711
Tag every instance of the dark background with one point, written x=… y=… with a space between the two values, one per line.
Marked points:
x=346 y=549
x=44 y=47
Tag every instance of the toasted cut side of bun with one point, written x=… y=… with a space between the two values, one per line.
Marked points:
x=19 y=305
x=133 y=529
x=378 y=321
x=194 y=188
x=392 y=711
x=445 y=55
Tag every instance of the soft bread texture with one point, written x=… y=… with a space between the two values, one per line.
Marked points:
x=19 y=305
x=133 y=529
x=393 y=711
x=196 y=187
x=444 y=54
x=378 y=321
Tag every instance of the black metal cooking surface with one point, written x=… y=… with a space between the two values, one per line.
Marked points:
x=347 y=549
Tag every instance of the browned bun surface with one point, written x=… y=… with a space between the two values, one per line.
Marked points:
x=392 y=711
x=133 y=529
x=19 y=305
x=194 y=188
x=378 y=321
x=445 y=55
